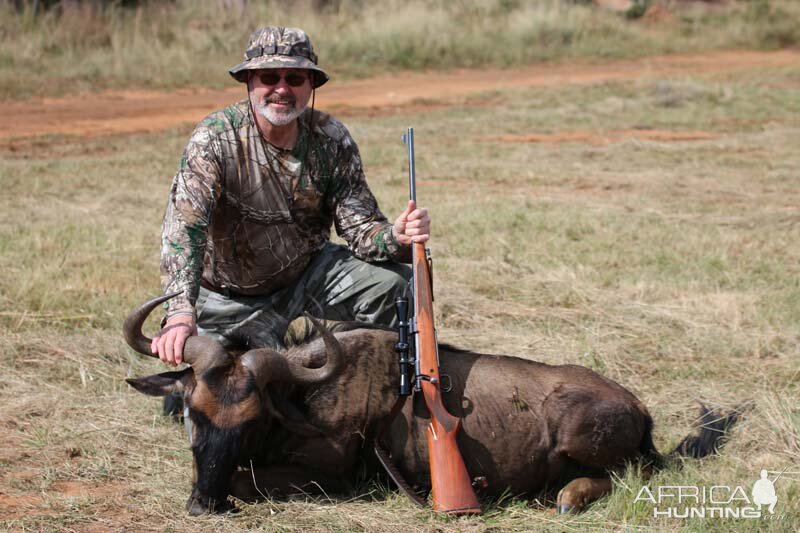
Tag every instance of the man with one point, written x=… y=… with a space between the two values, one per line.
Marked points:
x=246 y=231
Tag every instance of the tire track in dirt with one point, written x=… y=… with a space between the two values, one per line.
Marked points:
x=135 y=111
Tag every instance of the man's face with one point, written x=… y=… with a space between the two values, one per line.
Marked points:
x=280 y=95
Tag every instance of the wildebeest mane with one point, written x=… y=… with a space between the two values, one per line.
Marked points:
x=301 y=331
x=298 y=334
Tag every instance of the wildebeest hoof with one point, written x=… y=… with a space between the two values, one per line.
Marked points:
x=196 y=507
x=566 y=508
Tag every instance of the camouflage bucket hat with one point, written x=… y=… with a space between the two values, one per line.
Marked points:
x=276 y=47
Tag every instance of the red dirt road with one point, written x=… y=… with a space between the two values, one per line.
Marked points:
x=135 y=111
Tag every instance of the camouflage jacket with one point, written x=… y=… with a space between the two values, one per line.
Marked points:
x=247 y=216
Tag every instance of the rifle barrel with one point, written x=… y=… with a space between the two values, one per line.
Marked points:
x=408 y=139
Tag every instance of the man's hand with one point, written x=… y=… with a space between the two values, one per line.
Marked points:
x=168 y=344
x=413 y=225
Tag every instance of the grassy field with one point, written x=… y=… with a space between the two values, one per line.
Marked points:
x=648 y=230
x=79 y=48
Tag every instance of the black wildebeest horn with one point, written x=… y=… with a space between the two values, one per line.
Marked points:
x=203 y=350
x=270 y=366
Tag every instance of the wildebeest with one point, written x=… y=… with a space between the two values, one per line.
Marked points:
x=266 y=421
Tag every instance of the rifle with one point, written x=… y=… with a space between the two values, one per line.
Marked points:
x=451 y=487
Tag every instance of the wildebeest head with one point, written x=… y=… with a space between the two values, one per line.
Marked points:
x=227 y=398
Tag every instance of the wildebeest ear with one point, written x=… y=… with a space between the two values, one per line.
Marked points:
x=162 y=384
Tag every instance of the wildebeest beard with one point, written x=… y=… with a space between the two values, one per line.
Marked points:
x=216 y=454
x=219 y=450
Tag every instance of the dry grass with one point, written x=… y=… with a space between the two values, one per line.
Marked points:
x=671 y=267
x=81 y=48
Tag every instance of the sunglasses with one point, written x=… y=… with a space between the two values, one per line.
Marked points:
x=293 y=79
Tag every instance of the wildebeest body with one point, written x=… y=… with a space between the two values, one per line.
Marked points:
x=520 y=418
x=310 y=415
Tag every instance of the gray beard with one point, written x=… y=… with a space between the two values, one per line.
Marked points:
x=276 y=118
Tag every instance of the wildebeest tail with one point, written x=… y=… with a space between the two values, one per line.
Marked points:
x=712 y=426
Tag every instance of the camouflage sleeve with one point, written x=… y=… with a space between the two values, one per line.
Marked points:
x=357 y=218
x=195 y=190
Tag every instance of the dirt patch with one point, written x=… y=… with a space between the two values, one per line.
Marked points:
x=17 y=506
x=56 y=147
x=606 y=138
x=9 y=503
x=80 y=489
x=116 y=112
x=421 y=106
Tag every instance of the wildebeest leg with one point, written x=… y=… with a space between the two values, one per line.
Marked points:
x=597 y=431
x=254 y=485
x=580 y=492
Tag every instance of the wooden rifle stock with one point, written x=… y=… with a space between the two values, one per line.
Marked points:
x=451 y=487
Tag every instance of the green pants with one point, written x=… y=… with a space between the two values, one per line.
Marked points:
x=335 y=286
